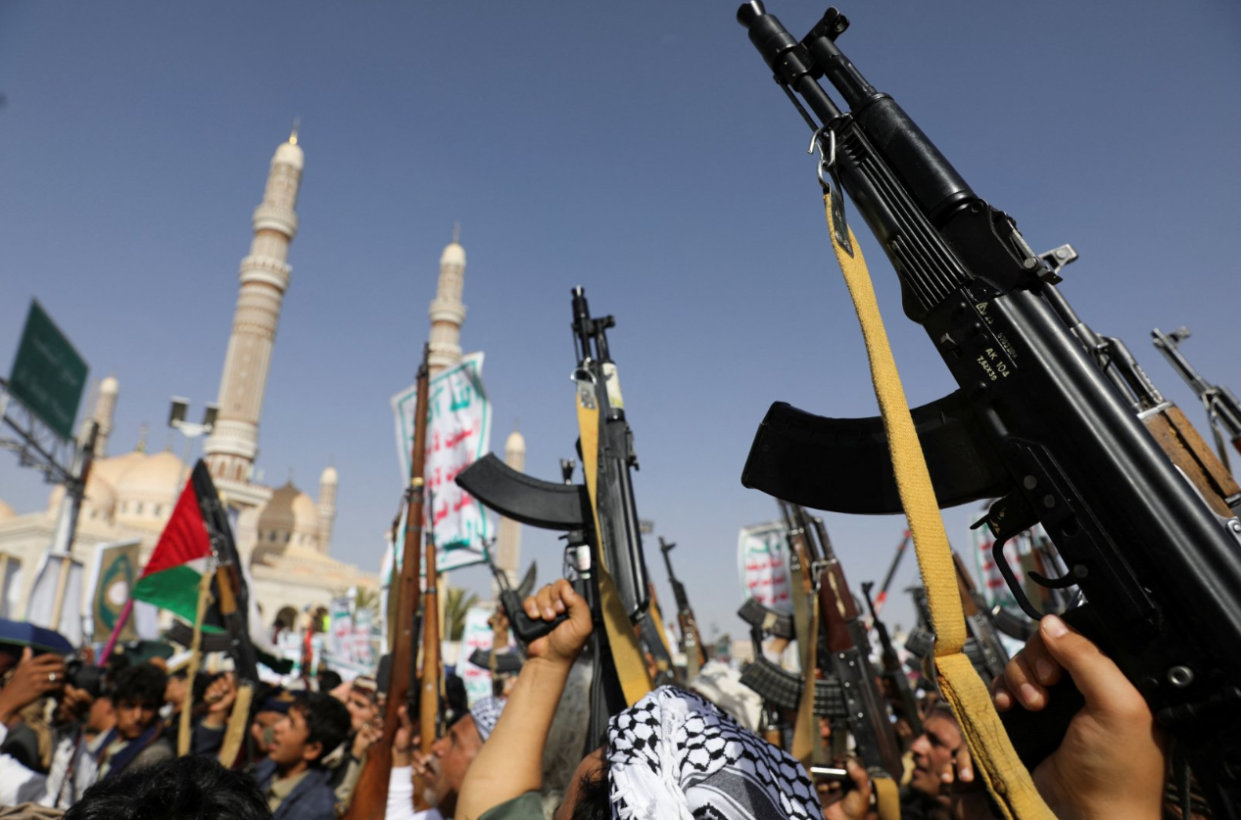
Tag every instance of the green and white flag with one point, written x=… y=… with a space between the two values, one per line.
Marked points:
x=459 y=434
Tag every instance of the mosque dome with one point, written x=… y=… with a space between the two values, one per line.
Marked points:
x=98 y=503
x=111 y=469
x=453 y=254
x=110 y=386
x=147 y=491
x=515 y=443
x=329 y=476
x=290 y=518
x=6 y=512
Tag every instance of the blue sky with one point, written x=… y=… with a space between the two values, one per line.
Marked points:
x=641 y=151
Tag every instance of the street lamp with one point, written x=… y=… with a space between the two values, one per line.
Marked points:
x=176 y=420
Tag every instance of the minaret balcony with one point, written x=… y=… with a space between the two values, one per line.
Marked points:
x=443 y=310
x=266 y=270
x=275 y=218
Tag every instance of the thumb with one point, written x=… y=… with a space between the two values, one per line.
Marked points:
x=1102 y=684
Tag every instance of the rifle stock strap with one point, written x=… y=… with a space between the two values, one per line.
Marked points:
x=1007 y=779
x=887 y=793
x=238 y=723
x=635 y=678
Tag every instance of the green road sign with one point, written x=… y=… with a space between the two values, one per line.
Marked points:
x=48 y=374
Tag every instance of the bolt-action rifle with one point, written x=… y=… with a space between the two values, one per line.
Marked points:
x=1223 y=409
x=1036 y=423
x=370 y=797
x=691 y=641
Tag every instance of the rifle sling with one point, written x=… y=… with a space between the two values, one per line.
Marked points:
x=631 y=668
x=1007 y=779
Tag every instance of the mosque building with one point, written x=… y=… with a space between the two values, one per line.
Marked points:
x=282 y=533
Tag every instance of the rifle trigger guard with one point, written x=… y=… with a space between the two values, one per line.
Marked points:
x=1001 y=563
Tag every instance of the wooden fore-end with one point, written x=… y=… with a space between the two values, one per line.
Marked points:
x=370 y=796
x=1185 y=446
x=835 y=605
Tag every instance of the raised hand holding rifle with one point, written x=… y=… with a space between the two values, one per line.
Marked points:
x=1036 y=423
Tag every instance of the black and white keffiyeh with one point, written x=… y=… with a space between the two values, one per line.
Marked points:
x=486 y=712
x=674 y=756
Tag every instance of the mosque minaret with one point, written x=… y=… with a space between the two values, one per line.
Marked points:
x=327 y=507
x=105 y=409
x=447 y=309
x=231 y=449
x=508 y=534
x=282 y=534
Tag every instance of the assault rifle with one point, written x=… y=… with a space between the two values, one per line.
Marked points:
x=1035 y=423
x=691 y=641
x=893 y=669
x=567 y=508
x=1223 y=409
x=848 y=647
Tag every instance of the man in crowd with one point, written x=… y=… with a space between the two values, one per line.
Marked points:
x=137 y=740
x=445 y=769
x=293 y=777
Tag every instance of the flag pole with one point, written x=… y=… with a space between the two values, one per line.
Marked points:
x=116 y=631
x=187 y=727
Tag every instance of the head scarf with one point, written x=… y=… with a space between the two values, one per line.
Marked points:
x=674 y=756
x=486 y=712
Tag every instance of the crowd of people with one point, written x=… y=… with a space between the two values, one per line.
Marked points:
x=103 y=743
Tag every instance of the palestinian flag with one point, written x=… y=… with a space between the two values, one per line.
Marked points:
x=171 y=577
x=175 y=570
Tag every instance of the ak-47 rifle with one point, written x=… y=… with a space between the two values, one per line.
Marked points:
x=370 y=797
x=1223 y=409
x=848 y=650
x=691 y=641
x=1036 y=423
x=616 y=543
x=233 y=597
x=893 y=669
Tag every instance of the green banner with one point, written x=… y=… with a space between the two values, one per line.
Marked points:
x=48 y=374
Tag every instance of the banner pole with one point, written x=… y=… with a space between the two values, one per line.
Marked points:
x=116 y=631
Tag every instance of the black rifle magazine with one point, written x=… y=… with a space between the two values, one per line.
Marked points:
x=532 y=501
x=843 y=465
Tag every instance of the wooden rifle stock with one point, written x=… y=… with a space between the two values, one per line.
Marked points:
x=429 y=700
x=370 y=797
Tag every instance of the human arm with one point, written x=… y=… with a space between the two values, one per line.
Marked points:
x=510 y=762
x=35 y=677
x=220 y=697
x=1112 y=760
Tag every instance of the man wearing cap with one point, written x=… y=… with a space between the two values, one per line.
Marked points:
x=444 y=770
